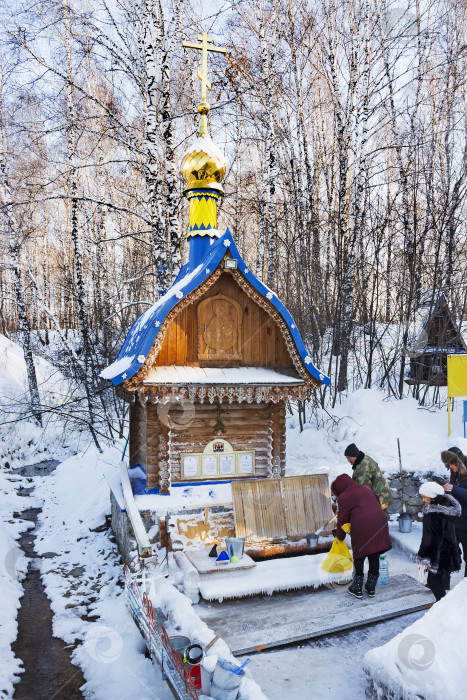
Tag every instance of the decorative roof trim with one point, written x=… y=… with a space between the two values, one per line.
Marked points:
x=220 y=394
x=144 y=339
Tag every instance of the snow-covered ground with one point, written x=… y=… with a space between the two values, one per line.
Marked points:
x=83 y=580
x=13 y=566
x=373 y=423
x=427 y=659
x=22 y=441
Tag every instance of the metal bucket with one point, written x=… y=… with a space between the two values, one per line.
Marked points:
x=194 y=653
x=312 y=540
x=235 y=547
x=224 y=676
x=405 y=522
x=223 y=693
x=179 y=643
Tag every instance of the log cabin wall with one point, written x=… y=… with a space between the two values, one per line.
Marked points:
x=260 y=340
x=247 y=427
x=137 y=431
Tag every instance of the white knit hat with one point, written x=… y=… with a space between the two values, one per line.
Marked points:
x=431 y=489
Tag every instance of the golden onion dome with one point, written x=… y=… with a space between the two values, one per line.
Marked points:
x=203 y=164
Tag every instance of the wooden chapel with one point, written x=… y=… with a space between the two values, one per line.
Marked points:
x=208 y=369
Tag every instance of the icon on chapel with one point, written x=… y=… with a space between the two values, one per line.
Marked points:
x=219 y=329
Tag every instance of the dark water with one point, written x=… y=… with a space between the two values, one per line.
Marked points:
x=49 y=673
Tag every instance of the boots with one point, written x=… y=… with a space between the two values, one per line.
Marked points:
x=356 y=587
x=370 y=584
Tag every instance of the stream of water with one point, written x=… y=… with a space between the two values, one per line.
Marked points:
x=48 y=671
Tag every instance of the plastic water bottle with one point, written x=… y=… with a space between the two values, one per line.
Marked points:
x=383 y=570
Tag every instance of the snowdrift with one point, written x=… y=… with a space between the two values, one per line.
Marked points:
x=22 y=441
x=426 y=660
x=374 y=422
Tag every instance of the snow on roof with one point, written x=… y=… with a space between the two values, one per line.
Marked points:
x=174 y=374
x=182 y=496
x=431 y=304
x=143 y=332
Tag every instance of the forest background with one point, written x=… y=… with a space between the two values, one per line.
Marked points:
x=344 y=126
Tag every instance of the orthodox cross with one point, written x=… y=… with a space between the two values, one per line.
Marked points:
x=203 y=75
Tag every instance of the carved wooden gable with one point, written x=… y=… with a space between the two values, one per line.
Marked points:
x=225 y=323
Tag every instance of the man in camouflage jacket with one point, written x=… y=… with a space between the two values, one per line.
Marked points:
x=367 y=472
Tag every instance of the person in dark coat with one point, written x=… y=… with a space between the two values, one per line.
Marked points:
x=369 y=533
x=439 y=550
x=456 y=461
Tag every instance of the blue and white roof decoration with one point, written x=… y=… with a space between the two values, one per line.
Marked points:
x=145 y=329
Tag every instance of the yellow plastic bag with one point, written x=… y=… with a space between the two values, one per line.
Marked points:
x=346 y=528
x=338 y=559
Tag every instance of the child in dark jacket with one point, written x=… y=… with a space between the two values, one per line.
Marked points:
x=439 y=550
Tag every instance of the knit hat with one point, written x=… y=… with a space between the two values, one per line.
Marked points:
x=351 y=450
x=455 y=456
x=431 y=489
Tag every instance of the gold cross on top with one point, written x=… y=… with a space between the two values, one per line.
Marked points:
x=203 y=75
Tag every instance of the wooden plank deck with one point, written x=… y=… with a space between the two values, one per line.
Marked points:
x=261 y=622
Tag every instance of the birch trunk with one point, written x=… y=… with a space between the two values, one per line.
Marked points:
x=267 y=234
x=13 y=228
x=160 y=41
x=89 y=369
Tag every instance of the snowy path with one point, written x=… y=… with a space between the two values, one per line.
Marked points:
x=75 y=635
x=84 y=582
x=48 y=671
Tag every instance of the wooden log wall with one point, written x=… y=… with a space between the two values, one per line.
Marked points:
x=248 y=427
x=262 y=343
x=153 y=437
x=137 y=443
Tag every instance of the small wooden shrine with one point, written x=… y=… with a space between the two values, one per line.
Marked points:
x=437 y=336
x=207 y=370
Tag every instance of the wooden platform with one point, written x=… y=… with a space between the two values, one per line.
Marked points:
x=262 y=622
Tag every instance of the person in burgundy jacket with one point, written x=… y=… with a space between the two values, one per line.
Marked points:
x=369 y=532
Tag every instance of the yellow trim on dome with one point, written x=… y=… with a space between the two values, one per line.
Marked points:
x=203 y=211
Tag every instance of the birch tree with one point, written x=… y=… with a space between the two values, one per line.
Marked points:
x=12 y=223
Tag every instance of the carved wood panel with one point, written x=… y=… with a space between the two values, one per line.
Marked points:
x=219 y=329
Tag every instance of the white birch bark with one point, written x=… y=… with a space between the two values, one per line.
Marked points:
x=267 y=233
x=14 y=247
x=89 y=378
x=160 y=39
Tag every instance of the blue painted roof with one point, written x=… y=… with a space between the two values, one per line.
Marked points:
x=143 y=332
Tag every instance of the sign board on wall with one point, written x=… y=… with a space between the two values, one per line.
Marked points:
x=218 y=460
x=457 y=375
